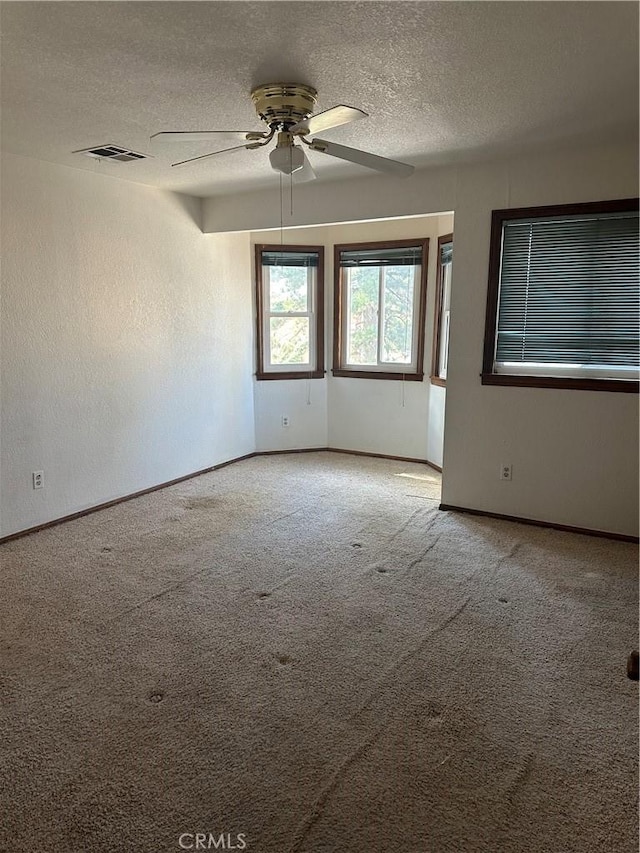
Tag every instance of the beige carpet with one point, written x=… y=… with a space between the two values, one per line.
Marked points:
x=301 y=653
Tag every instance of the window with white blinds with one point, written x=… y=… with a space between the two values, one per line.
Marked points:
x=289 y=299
x=379 y=316
x=568 y=293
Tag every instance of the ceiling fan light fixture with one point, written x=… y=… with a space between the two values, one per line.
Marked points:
x=287 y=160
x=287 y=110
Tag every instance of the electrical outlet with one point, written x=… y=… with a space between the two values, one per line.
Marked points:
x=37 y=479
x=505 y=472
x=285 y=421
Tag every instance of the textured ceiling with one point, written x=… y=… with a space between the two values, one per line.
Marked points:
x=439 y=80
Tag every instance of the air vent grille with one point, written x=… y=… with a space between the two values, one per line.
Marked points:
x=112 y=152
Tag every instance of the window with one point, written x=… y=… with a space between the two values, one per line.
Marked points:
x=290 y=302
x=379 y=309
x=443 y=300
x=563 y=297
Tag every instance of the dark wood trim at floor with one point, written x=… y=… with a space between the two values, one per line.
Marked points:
x=107 y=504
x=20 y=533
x=566 y=528
x=445 y=507
x=293 y=450
x=386 y=456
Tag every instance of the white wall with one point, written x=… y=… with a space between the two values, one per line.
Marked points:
x=303 y=401
x=378 y=416
x=118 y=317
x=126 y=343
x=574 y=453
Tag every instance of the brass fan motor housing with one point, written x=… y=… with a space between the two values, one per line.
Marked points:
x=284 y=104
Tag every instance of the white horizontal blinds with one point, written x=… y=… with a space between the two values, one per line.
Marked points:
x=569 y=291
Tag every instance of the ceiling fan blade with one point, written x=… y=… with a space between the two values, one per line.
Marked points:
x=334 y=117
x=212 y=154
x=197 y=135
x=301 y=176
x=362 y=158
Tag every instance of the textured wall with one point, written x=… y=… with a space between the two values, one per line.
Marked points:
x=126 y=351
x=574 y=453
x=126 y=343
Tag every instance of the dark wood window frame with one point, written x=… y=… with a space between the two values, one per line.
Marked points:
x=436 y=379
x=488 y=376
x=317 y=371
x=339 y=369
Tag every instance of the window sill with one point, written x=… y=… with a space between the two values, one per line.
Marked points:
x=377 y=374
x=624 y=386
x=437 y=380
x=291 y=374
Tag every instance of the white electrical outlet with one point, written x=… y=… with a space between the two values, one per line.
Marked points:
x=505 y=472
x=285 y=421
x=37 y=479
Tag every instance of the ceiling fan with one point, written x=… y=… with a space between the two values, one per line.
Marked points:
x=287 y=110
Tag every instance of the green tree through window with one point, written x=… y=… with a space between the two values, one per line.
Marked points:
x=380 y=308
x=290 y=311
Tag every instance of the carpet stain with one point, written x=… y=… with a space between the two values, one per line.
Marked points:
x=202 y=503
x=434 y=712
x=284 y=659
x=513 y=551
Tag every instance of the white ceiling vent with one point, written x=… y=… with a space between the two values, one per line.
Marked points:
x=111 y=152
